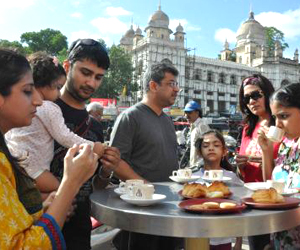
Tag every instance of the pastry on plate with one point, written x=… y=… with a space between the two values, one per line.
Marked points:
x=194 y=190
x=270 y=196
x=220 y=187
x=225 y=205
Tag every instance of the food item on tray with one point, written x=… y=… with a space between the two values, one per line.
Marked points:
x=227 y=205
x=267 y=196
x=196 y=190
x=220 y=187
x=211 y=205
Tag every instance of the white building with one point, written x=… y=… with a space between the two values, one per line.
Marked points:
x=212 y=82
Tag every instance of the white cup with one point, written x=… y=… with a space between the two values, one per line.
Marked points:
x=123 y=186
x=275 y=134
x=141 y=191
x=279 y=185
x=185 y=172
x=216 y=174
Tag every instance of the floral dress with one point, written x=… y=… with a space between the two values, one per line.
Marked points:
x=287 y=168
x=24 y=227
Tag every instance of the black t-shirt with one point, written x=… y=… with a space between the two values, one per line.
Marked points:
x=77 y=230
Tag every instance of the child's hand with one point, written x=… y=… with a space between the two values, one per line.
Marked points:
x=99 y=148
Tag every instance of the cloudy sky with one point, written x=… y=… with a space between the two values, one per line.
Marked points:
x=207 y=23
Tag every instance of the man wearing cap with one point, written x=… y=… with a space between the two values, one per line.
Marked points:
x=193 y=113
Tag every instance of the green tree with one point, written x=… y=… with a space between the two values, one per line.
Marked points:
x=48 y=40
x=119 y=75
x=272 y=35
x=13 y=45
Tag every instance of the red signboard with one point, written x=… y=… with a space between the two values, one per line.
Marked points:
x=105 y=101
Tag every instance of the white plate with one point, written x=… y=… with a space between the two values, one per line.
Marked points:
x=184 y=179
x=256 y=185
x=290 y=191
x=156 y=198
x=119 y=192
x=225 y=179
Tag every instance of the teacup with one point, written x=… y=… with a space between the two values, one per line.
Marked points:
x=275 y=134
x=185 y=172
x=279 y=185
x=123 y=186
x=141 y=191
x=213 y=174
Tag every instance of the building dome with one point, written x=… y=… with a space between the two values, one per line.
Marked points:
x=138 y=31
x=179 y=28
x=129 y=33
x=159 y=19
x=251 y=30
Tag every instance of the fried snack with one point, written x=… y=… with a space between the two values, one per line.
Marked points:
x=194 y=190
x=227 y=205
x=267 y=196
x=219 y=186
x=197 y=206
x=211 y=205
x=215 y=194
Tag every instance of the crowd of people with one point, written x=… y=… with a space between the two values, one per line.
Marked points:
x=53 y=155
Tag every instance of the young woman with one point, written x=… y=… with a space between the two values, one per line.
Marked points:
x=23 y=223
x=254 y=104
x=48 y=125
x=285 y=106
x=212 y=149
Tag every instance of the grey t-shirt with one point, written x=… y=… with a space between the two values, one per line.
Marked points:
x=147 y=142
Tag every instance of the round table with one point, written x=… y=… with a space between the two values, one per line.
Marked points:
x=167 y=219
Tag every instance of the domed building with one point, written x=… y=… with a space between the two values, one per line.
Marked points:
x=213 y=83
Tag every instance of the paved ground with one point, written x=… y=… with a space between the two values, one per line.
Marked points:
x=102 y=237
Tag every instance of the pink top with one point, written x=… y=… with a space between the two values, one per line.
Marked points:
x=249 y=146
x=37 y=140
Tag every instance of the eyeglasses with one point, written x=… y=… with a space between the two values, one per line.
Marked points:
x=255 y=95
x=85 y=42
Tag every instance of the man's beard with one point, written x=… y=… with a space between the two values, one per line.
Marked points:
x=74 y=93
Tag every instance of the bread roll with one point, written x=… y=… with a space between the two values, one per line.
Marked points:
x=220 y=187
x=227 y=205
x=194 y=190
x=197 y=206
x=267 y=196
x=211 y=205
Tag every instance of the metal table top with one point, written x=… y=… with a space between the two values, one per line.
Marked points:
x=167 y=219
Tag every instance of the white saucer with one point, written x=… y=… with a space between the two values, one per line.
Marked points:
x=224 y=179
x=290 y=191
x=156 y=198
x=119 y=192
x=184 y=179
x=256 y=185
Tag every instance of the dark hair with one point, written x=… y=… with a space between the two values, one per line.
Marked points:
x=267 y=88
x=288 y=96
x=157 y=72
x=224 y=162
x=45 y=69
x=89 y=49
x=13 y=67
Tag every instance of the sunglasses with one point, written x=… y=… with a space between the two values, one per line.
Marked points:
x=255 y=95
x=85 y=42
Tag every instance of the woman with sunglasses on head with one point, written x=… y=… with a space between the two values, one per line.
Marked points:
x=254 y=104
x=285 y=106
x=23 y=221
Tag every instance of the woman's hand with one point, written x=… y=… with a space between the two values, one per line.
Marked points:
x=80 y=164
x=265 y=144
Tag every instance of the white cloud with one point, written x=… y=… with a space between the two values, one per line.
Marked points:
x=84 y=34
x=224 y=33
x=111 y=25
x=117 y=11
x=288 y=22
x=184 y=23
x=76 y=15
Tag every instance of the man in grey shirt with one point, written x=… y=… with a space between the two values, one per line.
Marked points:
x=144 y=134
x=146 y=138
